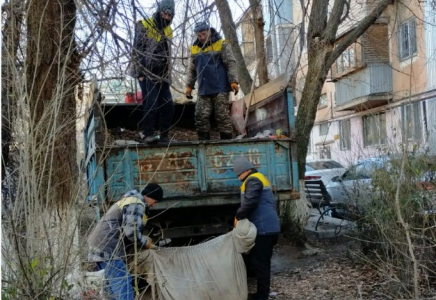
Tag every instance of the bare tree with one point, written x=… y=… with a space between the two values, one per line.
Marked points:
x=52 y=66
x=258 y=24
x=229 y=29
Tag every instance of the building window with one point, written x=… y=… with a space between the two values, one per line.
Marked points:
x=339 y=66
x=407 y=39
x=351 y=57
x=374 y=129
x=345 y=134
x=324 y=152
x=346 y=61
x=324 y=128
x=269 y=50
x=411 y=122
x=322 y=101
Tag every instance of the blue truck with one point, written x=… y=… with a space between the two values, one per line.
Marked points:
x=201 y=191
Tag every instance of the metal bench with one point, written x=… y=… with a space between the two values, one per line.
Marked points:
x=317 y=194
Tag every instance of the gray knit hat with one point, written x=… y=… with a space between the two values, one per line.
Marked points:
x=167 y=6
x=201 y=26
x=241 y=165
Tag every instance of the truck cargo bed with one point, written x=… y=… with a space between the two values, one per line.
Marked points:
x=201 y=190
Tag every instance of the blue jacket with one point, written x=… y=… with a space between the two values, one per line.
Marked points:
x=258 y=204
x=212 y=65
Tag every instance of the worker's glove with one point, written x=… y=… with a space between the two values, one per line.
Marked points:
x=235 y=87
x=149 y=243
x=188 y=92
x=235 y=222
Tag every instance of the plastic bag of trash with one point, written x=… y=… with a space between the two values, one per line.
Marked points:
x=237 y=115
x=85 y=285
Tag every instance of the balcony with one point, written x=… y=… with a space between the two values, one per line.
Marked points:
x=367 y=88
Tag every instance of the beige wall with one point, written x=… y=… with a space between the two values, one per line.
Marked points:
x=408 y=76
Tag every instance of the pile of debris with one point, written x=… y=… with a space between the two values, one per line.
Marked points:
x=176 y=133
x=123 y=134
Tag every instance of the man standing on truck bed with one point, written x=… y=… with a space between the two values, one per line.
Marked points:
x=119 y=229
x=213 y=65
x=151 y=65
x=259 y=207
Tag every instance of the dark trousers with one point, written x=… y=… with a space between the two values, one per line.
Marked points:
x=260 y=259
x=157 y=103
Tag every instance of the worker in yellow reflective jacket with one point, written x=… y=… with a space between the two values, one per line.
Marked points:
x=259 y=207
x=151 y=64
x=213 y=66
x=118 y=230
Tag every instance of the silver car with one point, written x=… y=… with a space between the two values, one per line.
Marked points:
x=323 y=169
x=355 y=185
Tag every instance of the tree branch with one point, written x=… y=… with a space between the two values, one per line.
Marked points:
x=334 y=21
x=358 y=31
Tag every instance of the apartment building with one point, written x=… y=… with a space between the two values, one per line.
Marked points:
x=381 y=92
x=280 y=35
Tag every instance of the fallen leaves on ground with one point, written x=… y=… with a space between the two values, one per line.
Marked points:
x=329 y=275
x=331 y=279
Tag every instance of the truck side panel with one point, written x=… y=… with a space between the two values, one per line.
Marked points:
x=193 y=171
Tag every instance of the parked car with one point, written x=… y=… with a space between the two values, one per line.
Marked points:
x=323 y=169
x=356 y=183
x=318 y=174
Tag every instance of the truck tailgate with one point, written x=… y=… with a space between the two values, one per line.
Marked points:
x=192 y=170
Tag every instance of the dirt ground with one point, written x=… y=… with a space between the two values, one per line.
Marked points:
x=327 y=273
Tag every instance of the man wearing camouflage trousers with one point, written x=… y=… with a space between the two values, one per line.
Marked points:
x=213 y=65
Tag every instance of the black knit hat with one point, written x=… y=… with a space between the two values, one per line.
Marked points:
x=154 y=191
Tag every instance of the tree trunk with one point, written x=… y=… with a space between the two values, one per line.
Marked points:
x=315 y=78
x=52 y=66
x=11 y=40
x=259 y=37
x=229 y=29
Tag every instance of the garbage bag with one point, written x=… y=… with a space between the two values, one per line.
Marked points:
x=211 y=270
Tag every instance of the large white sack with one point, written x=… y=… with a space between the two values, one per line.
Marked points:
x=212 y=270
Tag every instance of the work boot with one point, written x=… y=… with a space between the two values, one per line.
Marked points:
x=151 y=139
x=203 y=136
x=226 y=136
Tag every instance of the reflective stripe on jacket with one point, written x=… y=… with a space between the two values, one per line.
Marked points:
x=152 y=33
x=118 y=229
x=264 y=216
x=151 y=51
